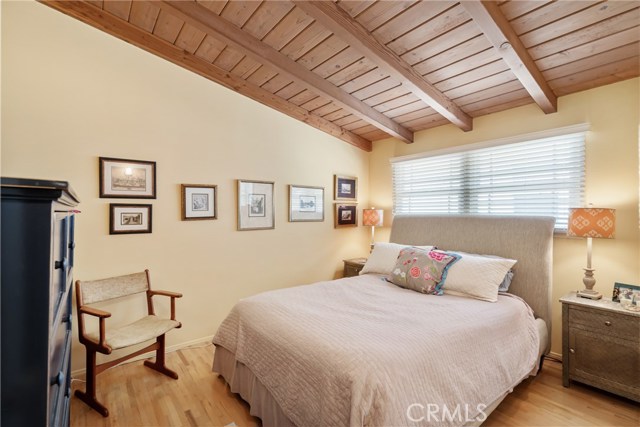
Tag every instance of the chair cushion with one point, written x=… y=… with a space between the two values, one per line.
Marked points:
x=147 y=328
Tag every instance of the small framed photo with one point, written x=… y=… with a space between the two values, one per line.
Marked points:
x=129 y=219
x=306 y=203
x=127 y=179
x=622 y=291
x=199 y=202
x=255 y=205
x=345 y=188
x=346 y=215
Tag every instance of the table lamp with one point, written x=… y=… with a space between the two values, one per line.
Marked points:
x=590 y=223
x=372 y=217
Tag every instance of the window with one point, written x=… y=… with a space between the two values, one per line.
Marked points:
x=541 y=176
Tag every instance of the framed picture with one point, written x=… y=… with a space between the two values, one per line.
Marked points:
x=346 y=215
x=624 y=291
x=129 y=219
x=345 y=187
x=306 y=203
x=255 y=205
x=127 y=179
x=199 y=202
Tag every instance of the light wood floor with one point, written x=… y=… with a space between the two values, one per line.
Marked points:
x=138 y=396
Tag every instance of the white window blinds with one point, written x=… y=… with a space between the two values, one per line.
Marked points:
x=544 y=176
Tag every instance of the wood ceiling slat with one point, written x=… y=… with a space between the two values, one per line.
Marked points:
x=405 y=109
x=502 y=98
x=315 y=103
x=358 y=124
x=549 y=13
x=246 y=67
x=481 y=59
x=583 y=51
x=376 y=135
x=355 y=8
x=337 y=115
x=262 y=75
x=276 y=83
x=154 y=44
x=303 y=97
x=347 y=71
x=348 y=120
x=291 y=27
x=364 y=80
x=381 y=12
x=478 y=85
x=144 y=15
x=605 y=28
x=228 y=58
x=442 y=43
x=167 y=27
x=190 y=38
x=417 y=114
x=216 y=6
x=291 y=90
x=575 y=22
x=96 y=3
x=306 y=40
x=382 y=99
x=327 y=109
x=475 y=74
x=410 y=20
x=443 y=23
x=239 y=12
x=490 y=92
x=322 y=52
x=266 y=17
x=397 y=102
x=589 y=79
x=210 y=49
x=377 y=88
x=364 y=130
x=426 y=122
x=503 y=106
x=614 y=55
x=514 y=9
x=119 y=8
x=457 y=53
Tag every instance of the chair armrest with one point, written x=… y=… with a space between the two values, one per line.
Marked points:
x=94 y=312
x=165 y=293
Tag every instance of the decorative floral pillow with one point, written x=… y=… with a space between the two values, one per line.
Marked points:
x=422 y=270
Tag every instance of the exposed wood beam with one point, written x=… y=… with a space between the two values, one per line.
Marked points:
x=498 y=30
x=117 y=27
x=218 y=27
x=338 y=21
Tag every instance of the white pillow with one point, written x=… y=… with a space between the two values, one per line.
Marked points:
x=383 y=258
x=477 y=276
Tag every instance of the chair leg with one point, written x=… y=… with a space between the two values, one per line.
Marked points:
x=89 y=396
x=159 y=364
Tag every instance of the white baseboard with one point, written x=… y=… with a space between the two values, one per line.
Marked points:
x=199 y=341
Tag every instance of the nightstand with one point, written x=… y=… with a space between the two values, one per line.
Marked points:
x=353 y=266
x=601 y=345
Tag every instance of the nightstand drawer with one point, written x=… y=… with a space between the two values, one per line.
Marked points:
x=606 y=323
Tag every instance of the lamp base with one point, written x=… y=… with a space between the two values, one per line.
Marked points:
x=588 y=293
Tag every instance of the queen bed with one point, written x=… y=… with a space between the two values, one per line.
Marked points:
x=362 y=351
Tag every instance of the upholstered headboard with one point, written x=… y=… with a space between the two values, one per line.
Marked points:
x=526 y=239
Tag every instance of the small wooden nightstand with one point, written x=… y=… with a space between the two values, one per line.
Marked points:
x=353 y=266
x=601 y=345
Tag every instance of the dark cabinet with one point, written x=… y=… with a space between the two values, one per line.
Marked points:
x=37 y=272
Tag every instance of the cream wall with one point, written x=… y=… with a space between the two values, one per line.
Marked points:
x=71 y=93
x=611 y=178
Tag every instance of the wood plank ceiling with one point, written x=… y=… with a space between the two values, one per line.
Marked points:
x=367 y=70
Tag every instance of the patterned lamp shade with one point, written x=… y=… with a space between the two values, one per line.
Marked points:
x=372 y=217
x=592 y=222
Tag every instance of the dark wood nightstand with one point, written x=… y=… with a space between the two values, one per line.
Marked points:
x=353 y=266
x=601 y=345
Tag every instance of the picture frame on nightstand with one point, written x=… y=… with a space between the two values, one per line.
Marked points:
x=625 y=291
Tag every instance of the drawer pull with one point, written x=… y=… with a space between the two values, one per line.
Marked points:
x=572 y=351
x=607 y=323
x=60 y=264
x=72 y=245
x=58 y=379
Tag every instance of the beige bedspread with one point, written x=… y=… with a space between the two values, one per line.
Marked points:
x=361 y=351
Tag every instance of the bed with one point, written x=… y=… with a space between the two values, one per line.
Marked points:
x=362 y=351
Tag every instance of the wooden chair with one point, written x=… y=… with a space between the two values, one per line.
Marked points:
x=147 y=328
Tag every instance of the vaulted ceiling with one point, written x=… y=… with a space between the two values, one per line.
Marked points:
x=367 y=70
